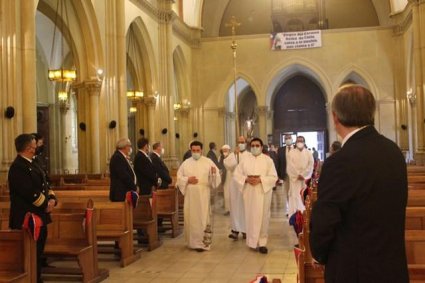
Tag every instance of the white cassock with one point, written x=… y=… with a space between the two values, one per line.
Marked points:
x=197 y=198
x=257 y=199
x=226 y=189
x=237 y=209
x=298 y=163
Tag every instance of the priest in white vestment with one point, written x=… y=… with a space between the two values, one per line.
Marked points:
x=237 y=209
x=256 y=176
x=299 y=169
x=195 y=177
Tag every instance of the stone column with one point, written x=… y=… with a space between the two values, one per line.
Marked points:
x=88 y=111
x=28 y=67
x=166 y=73
x=150 y=101
x=262 y=122
x=418 y=20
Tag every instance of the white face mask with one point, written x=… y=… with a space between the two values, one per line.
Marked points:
x=300 y=145
x=242 y=146
x=196 y=156
x=162 y=151
x=130 y=151
x=256 y=151
x=288 y=142
x=225 y=153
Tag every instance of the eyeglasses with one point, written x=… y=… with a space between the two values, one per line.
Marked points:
x=255 y=145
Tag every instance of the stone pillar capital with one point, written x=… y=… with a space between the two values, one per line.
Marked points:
x=91 y=86
x=263 y=110
x=150 y=100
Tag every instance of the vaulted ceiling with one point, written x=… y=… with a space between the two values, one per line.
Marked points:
x=255 y=15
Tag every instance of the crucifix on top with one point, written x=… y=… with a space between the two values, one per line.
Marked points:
x=233 y=24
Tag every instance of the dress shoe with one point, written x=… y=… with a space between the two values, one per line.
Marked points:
x=227 y=213
x=234 y=235
x=199 y=250
x=263 y=250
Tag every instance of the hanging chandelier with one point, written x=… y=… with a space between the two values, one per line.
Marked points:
x=61 y=75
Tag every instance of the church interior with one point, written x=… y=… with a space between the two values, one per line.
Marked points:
x=85 y=73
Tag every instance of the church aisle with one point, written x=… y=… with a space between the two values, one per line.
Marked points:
x=227 y=261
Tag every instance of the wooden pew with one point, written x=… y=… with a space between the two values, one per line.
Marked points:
x=306 y=272
x=415 y=218
x=416 y=198
x=17 y=257
x=415 y=252
x=114 y=220
x=74 y=235
x=145 y=218
x=168 y=208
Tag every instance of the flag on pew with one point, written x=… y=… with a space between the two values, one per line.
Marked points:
x=32 y=223
x=132 y=198
x=296 y=220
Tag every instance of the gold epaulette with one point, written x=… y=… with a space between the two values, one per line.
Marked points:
x=40 y=200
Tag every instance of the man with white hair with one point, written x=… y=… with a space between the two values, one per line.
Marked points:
x=123 y=178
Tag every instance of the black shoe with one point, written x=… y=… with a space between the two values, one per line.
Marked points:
x=244 y=235
x=263 y=250
x=234 y=235
x=200 y=250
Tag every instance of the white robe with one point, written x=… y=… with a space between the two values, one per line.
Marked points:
x=257 y=199
x=298 y=163
x=237 y=209
x=197 y=198
x=226 y=189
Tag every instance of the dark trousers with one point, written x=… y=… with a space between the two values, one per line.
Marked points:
x=41 y=242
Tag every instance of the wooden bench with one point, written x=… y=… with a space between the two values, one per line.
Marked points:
x=415 y=218
x=415 y=252
x=114 y=220
x=168 y=208
x=306 y=271
x=17 y=257
x=145 y=218
x=416 y=198
x=69 y=238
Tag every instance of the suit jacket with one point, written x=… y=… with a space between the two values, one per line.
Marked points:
x=29 y=192
x=161 y=170
x=357 y=223
x=122 y=177
x=281 y=163
x=145 y=172
x=211 y=155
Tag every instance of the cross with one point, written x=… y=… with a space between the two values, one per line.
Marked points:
x=233 y=24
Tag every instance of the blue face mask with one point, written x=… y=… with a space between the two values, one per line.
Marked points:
x=196 y=156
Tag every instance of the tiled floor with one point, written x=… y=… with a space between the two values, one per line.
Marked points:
x=227 y=261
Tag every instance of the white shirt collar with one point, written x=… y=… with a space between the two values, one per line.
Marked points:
x=123 y=154
x=29 y=160
x=157 y=154
x=350 y=135
x=144 y=153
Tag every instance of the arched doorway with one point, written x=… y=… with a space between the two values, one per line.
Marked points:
x=247 y=111
x=300 y=109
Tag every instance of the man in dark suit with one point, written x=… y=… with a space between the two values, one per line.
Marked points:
x=282 y=153
x=357 y=223
x=211 y=154
x=159 y=165
x=145 y=171
x=123 y=178
x=29 y=192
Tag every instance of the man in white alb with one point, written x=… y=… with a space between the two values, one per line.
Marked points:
x=299 y=168
x=195 y=177
x=256 y=176
x=237 y=214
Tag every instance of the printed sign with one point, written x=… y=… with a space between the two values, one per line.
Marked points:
x=296 y=40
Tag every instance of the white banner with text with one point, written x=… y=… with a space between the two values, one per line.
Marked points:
x=296 y=40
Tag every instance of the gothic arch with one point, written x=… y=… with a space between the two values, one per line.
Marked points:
x=146 y=52
x=358 y=75
x=228 y=88
x=279 y=75
x=181 y=71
